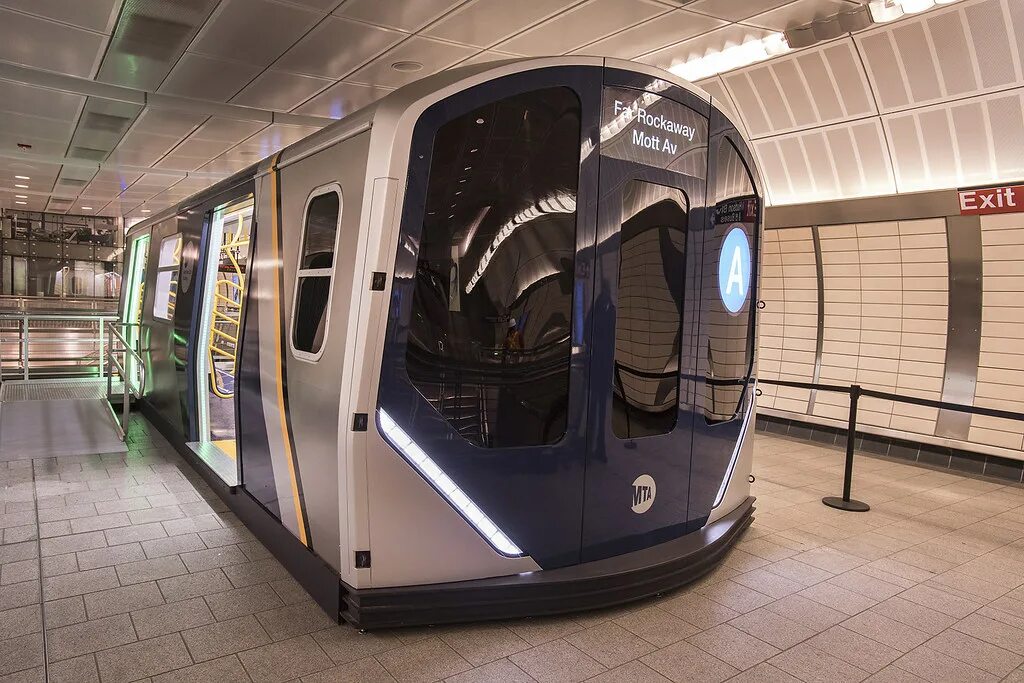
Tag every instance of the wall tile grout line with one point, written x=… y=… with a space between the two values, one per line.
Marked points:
x=39 y=561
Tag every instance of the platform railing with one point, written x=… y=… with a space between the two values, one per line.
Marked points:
x=12 y=303
x=35 y=345
x=130 y=367
x=856 y=392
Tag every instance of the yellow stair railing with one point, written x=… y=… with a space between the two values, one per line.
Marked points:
x=228 y=295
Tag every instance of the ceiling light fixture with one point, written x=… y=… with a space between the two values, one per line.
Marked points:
x=733 y=57
x=146 y=210
x=21 y=196
x=407 y=67
x=22 y=177
x=25 y=187
x=22 y=203
x=87 y=208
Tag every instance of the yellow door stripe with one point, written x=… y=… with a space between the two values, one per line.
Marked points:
x=275 y=230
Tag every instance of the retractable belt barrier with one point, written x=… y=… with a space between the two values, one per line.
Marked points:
x=856 y=391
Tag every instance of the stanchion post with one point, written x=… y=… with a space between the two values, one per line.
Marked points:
x=845 y=503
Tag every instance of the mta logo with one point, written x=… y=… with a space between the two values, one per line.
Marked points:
x=644 y=491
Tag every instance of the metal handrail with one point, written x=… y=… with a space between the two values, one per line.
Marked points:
x=855 y=391
x=25 y=338
x=127 y=379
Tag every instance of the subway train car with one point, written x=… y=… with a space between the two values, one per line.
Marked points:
x=483 y=349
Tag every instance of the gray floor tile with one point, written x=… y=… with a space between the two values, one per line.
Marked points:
x=685 y=662
x=172 y=545
x=344 y=644
x=813 y=666
x=482 y=643
x=426 y=660
x=77 y=670
x=143 y=658
x=194 y=585
x=369 y=670
x=285 y=660
x=23 y=652
x=223 y=670
x=201 y=560
x=170 y=618
x=88 y=637
x=79 y=583
x=224 y=638
x=733 y=646
x=150 y=570
x=630 y=672
x=65 y=611
x=241 y=601
x=656 y=626
x=110 y=556
x=122 y=600
x=294 y=620
x=940 y=668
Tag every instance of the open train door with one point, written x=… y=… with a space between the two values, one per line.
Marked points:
x=652 y=166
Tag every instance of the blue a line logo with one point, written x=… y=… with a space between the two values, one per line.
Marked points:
x=734 y=269
x=644 y=491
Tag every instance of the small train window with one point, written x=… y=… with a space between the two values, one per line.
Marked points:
x=648 y=321
x=167 y=267
x=731 y=257
x=311 y=311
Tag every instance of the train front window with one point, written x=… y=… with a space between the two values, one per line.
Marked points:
x=489 y=339
x=648 y=320
x=728 y=295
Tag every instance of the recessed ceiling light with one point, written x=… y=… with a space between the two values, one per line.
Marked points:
x=146 y=210
x=479 y=121
x=22 y=177
x=21 y=196
x=21 y=202
x=472 y=150
x=21 y=186
x=468 y=168
x=407 y=66
x=87 y=208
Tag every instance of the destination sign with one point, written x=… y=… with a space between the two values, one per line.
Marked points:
x=654 y=131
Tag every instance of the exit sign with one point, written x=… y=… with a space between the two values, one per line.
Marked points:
x=1004 y=199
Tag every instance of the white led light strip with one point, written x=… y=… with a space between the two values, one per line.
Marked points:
x=415 y=455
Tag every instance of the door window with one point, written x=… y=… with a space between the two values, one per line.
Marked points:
x=167 y=267
x=648 y=321
x=489 y=340
x=311 y=312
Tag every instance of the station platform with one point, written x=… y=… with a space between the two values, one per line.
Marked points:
x=126 y=566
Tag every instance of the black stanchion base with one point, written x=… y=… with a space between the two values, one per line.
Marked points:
x=848 y=505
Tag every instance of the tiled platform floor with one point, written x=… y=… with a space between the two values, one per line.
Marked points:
x=144 y=574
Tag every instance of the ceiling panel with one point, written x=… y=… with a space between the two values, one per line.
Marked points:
x=280 y=90
x=23 y=99
x=167 y=122
x=150 y=37
x=228 y=130
x=654 y=34
x=95 y=15
x=341 y=99
x=486 y=22
x=253 y=31
x=434 y=55
x=21 y=125
x=579 y=25
x=485 y=56
x=734 y=10
x=224 y=165
x=398 y=14
x=208 y=78
x=336 y=47
x=44 y=44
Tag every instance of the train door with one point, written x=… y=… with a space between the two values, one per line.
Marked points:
x=214 y=357
x=133 y=295
x=651 y=207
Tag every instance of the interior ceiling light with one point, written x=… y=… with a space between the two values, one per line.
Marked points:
x=22 y=203
x=883 y=11
x=146 y=210
x=732 y=57
x=22 y=177
x=25 y=187
x=472 y=513
x=21 y=196
x=87 y=208
x=855 y=20
x=407 y=66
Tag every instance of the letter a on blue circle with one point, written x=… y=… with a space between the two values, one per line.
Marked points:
x=734 y=269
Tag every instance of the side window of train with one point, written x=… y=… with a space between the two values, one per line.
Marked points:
x=167 y=267
x=489 y=337
x=311 y=309
x=731 y=253
x=650 y=305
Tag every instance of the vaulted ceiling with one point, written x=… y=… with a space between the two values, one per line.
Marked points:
x=132 y=105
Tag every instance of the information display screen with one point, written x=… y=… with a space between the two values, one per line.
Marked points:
x=654 y=131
